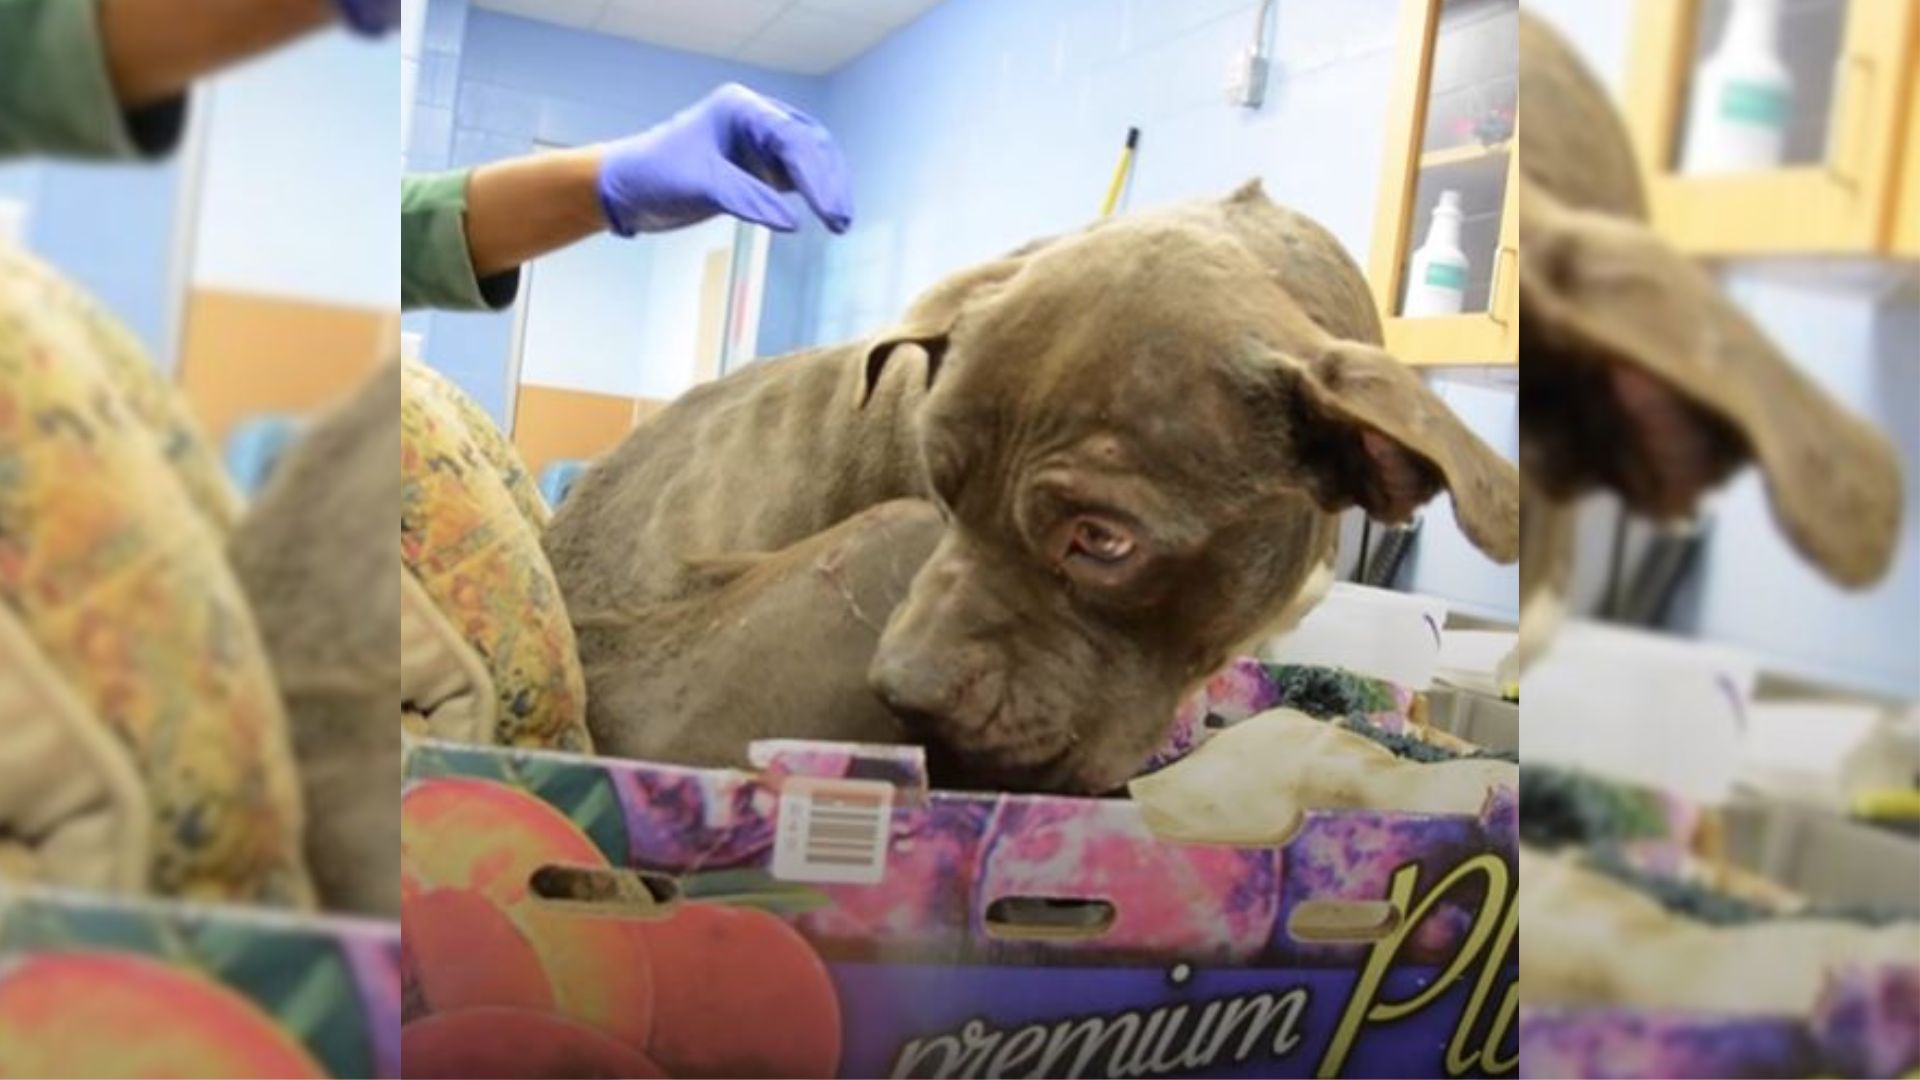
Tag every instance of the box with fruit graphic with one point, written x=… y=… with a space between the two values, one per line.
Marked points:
x=97 y=987
x=826 y=914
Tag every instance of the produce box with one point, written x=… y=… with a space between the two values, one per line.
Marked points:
x=827 y=914
x=98 y=987
x=1867 y=1025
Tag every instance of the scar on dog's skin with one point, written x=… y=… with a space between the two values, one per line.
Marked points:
x=1205 y=379
x=1638 y=376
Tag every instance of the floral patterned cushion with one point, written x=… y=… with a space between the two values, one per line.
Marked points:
x=150 y=398
x=110 y=562
x=474 y=546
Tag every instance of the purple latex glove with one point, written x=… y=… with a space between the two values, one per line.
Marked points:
x=733 y=152
x=370 y=18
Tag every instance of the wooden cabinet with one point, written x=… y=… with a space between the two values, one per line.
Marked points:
x=1836 y=190
x=1906 y=220
x=1453 y=126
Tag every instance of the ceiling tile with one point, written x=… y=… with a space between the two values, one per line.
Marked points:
x=890 y=12
x=580 y=13
x=709 y=26
x=811 y=42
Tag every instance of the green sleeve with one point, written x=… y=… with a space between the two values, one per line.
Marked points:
x=56 y=97
x=436 y=270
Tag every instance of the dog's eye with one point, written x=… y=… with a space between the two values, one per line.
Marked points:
x=1100 y=541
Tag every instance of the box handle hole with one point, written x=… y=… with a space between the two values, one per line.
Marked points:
x=1048 y=918
x=1342 y=922
x=600 y=890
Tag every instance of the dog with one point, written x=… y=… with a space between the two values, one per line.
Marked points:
x=315 y=556
x=1020 y=525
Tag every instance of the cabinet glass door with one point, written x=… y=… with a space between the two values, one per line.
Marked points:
x=1452 y=255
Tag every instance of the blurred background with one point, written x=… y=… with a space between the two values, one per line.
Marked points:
x=1784 y=701
x=247 y=262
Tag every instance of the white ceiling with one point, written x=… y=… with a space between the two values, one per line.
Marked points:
x=812 y=37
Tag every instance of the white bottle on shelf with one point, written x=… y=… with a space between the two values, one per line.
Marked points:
x=1742 y=96
x=1437 y=279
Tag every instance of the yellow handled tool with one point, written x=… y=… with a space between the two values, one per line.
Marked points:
x=1888 y=804
x=1120 y=172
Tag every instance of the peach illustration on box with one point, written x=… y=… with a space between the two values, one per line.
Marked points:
x=82 y=1013
x=503 y=983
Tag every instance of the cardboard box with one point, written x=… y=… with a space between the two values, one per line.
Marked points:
x=1867 y=1025
x=93 y=986
x=828 y=914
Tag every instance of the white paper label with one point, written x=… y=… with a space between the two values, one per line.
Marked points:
x=833 y=831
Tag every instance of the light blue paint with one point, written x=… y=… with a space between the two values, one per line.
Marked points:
x=986 y=123
x=109 y=228
x=1443 y=562
x=1756 y=591
x=301 y=147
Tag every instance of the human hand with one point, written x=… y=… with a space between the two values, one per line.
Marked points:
x=733 y=152
x=370 y=18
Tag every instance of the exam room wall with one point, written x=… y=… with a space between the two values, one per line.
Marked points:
x=109 y=228
x=491 y=86
x=1752 y=591
x=986 y=123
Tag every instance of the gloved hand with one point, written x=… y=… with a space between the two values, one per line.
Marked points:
x=733 y=152
x=370 y=18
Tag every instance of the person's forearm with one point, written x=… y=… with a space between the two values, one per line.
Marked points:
x=524 y=207
x=156 y=48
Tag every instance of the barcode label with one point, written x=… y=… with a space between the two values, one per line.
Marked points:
x=833 y=830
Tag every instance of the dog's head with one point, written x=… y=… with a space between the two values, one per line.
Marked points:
x=1640 y=377
x=1140 y=435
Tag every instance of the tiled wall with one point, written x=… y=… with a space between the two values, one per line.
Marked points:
x=989 y=122
x=110 y=228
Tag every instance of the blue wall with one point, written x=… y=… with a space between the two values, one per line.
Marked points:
x=986 y=123
x=109 y=228
x=299 y=175
x=493 y=86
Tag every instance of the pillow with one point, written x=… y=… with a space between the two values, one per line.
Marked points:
x=474 y=547
x=111 y=564
x=154 y=401
x=73 y=811
x=492 y=445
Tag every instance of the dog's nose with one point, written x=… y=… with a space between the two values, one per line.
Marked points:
x=910 y=699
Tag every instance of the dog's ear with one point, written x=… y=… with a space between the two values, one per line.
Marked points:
x=929 y=322
x=1367 y=432
x=1640 y=376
